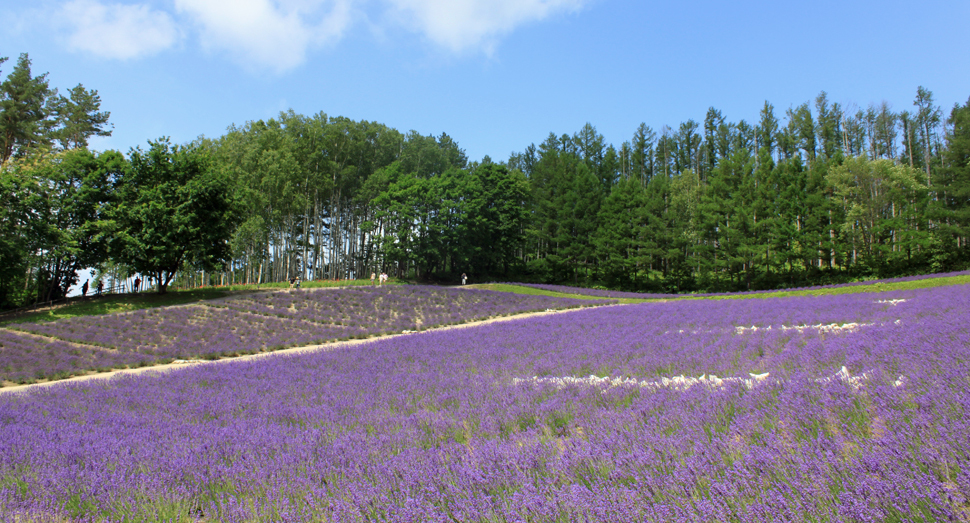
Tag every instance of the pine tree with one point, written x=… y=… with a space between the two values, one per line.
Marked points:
x=80 y=118
x=24 y=111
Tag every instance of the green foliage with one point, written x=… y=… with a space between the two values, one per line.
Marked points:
x=882 y=204
x=23 y=111
x=17 y=239
x=823 y=196
x=172 y=209
x=80 y=118
x=951 y=190
x=57 y=215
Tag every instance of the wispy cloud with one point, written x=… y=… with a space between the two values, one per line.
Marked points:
x=471 y=25
x=278 y=34
x=266 y=33
x=115 y=30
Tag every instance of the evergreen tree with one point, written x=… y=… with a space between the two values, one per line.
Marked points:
x=80 y=118
x=24 y=111
x=643 y=154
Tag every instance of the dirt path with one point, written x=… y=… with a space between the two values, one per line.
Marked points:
x=181 y=364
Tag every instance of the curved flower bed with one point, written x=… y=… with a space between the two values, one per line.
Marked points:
x=245 y=325
x=25 y=358
x=397 y=308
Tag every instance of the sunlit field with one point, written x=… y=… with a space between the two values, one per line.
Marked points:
x=847 y=407
x=244 y=324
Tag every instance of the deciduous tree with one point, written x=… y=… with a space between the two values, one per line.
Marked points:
x=173 y=209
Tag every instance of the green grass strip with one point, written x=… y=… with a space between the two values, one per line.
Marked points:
x=825 y=291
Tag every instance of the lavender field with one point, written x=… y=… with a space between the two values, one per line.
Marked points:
x=25 y=358
x=837 y=408
x=395 y=309
x=245 y=325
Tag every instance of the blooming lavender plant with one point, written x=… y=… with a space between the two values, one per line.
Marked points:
x=482 y=424
x=25 y=358
x=399 y=307
x=255 y=323
x=191 y=331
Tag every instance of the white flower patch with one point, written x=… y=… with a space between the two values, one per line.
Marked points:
x=677 y=382
x=891 y=302
x=820 y=328
x=686 y=382
x=696 y=331
x=187 y=362
x=843 y=375
x=831 y=327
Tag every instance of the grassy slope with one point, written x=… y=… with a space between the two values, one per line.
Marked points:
x=855 y=289
x=522 y=289
x=874 y=287
x=93 y=306
x=129 y=302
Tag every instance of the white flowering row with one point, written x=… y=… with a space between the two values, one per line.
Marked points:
x=686 y=382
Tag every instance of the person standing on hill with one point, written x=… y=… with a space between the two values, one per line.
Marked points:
x=100 y=286
x=372 y=276
x=137 y=283
x=84 y=288
x=464 y=278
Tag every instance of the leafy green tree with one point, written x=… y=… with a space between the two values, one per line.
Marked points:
x=399 y=208
x=173 y=210
x=77 y=189
x=688 y=147
x=952 y=210
x=20 y=194
x=928 y=117
x=495 y=217
x=876 y=195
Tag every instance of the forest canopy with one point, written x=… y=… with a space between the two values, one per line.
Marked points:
x=814 y=194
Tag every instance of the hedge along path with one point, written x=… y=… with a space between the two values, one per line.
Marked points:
x=181 y=364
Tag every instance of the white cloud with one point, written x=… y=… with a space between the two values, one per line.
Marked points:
x=462 y=25
x=274 y=34
x=116 y=30
x=278 y=34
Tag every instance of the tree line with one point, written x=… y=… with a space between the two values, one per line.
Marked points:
x=818 y=194
x=822 y=195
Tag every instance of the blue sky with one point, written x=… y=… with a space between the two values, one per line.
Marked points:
x=495 y=75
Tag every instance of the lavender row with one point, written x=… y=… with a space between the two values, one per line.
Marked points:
x=394 y=309
x=254 y=324
x=190 y=331
x=604 y=293
x=25 y=358
x=452 y=426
